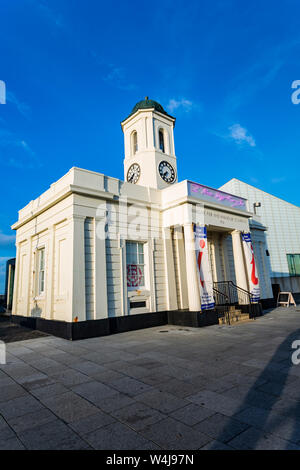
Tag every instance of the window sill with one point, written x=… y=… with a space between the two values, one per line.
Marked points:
x=138 y=293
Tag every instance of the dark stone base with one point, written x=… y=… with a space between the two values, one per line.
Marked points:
x=92 y=328
x=268 y=303
x=193 y=319
x=254 y=310
x=112 y=325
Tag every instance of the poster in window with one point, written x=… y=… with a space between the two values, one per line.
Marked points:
x=134 y=275
x=203 y=268
x=251 y=267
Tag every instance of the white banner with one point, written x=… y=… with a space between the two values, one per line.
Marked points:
x=203 y=267
x=251 y=267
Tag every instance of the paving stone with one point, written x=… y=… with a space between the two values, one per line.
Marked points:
x=162 y=401
x=49 y=367
x=91 y=423
x=218 y=403
x=256 y=439
x=70 y=407
x=89 y=368
x=71 y=377
x=155 y=378
x=130 y=386
x=9 y=392
x=216 y=445
x=171 y=434
x=129 y=369
x=192 y=414
x=12 y=443
x=221 y=428
x=94 y=391
x=48 y=436
x=19 y=370
x=108 y=376
x=176 y=387
x=37 y=380
x=6 y=431
x=30 y=420
x=116 y=436
x=114 y=402
x=52 y=390
x=19 y=406
x=138 y=415
x=286 y=427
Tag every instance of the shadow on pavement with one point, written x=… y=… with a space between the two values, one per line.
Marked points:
x=276 y=378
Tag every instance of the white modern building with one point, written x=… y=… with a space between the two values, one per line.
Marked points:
x=282 y=220
x=97 y=255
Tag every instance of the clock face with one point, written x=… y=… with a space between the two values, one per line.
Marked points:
x=133 y=173
x=167 y=172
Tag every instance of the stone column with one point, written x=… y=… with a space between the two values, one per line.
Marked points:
x=16 y=281
x=49 y=274
x=78 y=263
x=191 y=269
x=101 y=308
x=239 y=262
x=179 y=247
x=170 y=271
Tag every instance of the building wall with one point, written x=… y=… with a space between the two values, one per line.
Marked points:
x=50 y=230
x=282 y=220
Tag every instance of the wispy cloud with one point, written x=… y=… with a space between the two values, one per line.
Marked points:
x=182 y=104
x=258 y=75
x=241 y=136
x=54 y=17
x=7 y=240
x=279 y=179
x=22 y=107
x=16 y=152
x=117 y=77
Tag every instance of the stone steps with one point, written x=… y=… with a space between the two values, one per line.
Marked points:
x=235 y=316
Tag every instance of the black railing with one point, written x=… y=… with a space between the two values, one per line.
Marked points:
x=228 y=293
x=220 y=297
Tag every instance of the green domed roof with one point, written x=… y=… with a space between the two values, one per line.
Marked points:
x=146 y=103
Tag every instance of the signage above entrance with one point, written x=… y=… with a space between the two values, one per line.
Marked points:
x=205 y=193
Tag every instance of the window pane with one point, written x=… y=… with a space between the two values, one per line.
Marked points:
x=297 y=265
x=294 y=264
x=161 y=141
x=42 y=258
x=135 y=264
x=41 y=281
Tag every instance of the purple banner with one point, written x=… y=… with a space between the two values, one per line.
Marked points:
x=214 y=195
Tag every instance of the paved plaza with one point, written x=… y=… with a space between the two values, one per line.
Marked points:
x=220 y=387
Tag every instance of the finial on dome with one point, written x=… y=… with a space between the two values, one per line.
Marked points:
x=146 y=97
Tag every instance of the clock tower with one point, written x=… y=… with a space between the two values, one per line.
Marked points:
x=149 y=146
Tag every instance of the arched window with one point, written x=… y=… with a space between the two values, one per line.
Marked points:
x=161 y=140
x=134 y=142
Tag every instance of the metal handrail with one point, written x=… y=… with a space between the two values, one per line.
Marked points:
x=218 y=293
x=232 y=291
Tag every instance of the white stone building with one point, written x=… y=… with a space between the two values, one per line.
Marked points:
x=282 y=220
x=97 y=255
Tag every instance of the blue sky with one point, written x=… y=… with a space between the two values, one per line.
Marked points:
x=74 y=69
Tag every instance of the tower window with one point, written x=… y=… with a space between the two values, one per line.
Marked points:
x=134 y=142
x=161 y=140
